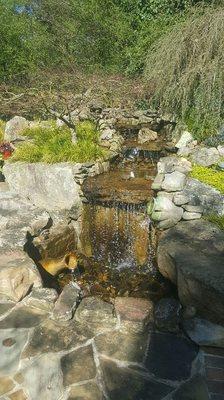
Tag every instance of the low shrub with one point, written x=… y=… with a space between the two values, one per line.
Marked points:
x=53 y=144
x=209 y=176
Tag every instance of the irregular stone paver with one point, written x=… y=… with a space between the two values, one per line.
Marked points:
x=125 y=384
x=89 y=391
x=18 y=395
x=214 y=367
x=42 y=378
x=195 y=389
x=10 y=355
x=23 y=317
x=54 y=337
x=6 y=384
x=122 y=346
x=97 y=314
x=78 y=366
x=42 y=298
x=170 y=356
x=4 y=307
x=135 y=314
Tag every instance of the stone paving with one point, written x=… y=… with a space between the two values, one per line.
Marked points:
x=105 y=352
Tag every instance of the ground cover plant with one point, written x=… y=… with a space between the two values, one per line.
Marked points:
x=209 y=176
x=53 y=144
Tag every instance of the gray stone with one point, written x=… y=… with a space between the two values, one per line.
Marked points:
x=146 y=135
x=170 y=356
x=52 y=337
x=14 y=127
x=191 y=255
x=184 y=151
x=67 y=302
x=221 y=150
x=157 y=183
x=220 y=166
x=10 y=354
x=79 y=365
x=57 y=241
x=167 y=165
x=168 y=195
x=167 y=315
x=5 y=307
x=205 y=156
x=124 y=383
x=88 y=391
x=184 y=140
x=48 y=186
x=174 y=181
x=42 y=298
x=209 y=198
x=166 y=211
x=17 y=275
x=97 y=314
x=42 y=378
x=134 y=314
x=204 y=333
x=195 y=389
x=188 y=216
x=180 y=198
x=193 y=209
x=126 y=346
x=23 y=317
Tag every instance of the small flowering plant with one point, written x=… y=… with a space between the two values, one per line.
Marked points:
x=6 y=151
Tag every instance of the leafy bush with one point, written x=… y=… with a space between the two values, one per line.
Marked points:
x=209 y=176
x=53 y=144
x=186 y=67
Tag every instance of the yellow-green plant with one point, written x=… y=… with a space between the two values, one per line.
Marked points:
x=53 y=144
x=216 y=219
x=209 y=176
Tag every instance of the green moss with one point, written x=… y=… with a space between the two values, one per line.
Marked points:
x=53 y=144
x=216 y=219
x=209 y=176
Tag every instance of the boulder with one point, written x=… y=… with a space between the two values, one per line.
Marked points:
x=157 y=183
x=204 y=333
x=221 y=150
x=180 y=199
x=167 y=315
x=146 y=135
x=200 y=194
x=14 y=127
x=167 y=165
x=67 y=302
x=205 y=156
x=188 y=216
x=174 y=182
x=57 y=241
x=166 y=212
x=50 y=187
x=17 y=275
x=191 y=255
x=185 y=139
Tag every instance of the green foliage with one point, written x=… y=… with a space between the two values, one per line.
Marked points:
x=53 y=144
x=2 y=129
x=216 y=219
x=113 y=35
x=209 y=176
x=187 y=68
